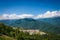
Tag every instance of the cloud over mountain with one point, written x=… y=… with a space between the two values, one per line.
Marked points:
x=47 y=14
x=15 y=16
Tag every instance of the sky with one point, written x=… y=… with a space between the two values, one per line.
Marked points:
x=12 y=9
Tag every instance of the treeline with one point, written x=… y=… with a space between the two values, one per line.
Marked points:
x=19 y=35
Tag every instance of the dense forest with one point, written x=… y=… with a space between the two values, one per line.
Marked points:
x=10 y=33
x=30 y=23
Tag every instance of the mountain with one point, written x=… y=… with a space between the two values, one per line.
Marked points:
x=12 y=33
x=29 y=23
x=55 y=21
x=8 y=22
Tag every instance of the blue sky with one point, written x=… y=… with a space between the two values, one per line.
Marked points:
x=28 y=6
x=34 y=7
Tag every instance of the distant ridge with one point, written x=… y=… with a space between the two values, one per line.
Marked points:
x=41 y=24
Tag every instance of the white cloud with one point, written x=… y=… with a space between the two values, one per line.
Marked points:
x=15 y=16
x=26 y=16
x=48 y=14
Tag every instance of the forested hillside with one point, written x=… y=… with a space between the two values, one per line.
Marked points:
x=10 y=33
x=29 y=23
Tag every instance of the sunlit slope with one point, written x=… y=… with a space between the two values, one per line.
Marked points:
x=29 y=23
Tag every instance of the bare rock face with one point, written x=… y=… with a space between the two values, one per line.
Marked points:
x=34 y=32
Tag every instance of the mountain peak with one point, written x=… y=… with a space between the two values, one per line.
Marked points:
x=28 y=19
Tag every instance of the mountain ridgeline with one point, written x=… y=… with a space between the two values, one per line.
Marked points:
x=55 y=21
x=29 y=23
x=12 y=33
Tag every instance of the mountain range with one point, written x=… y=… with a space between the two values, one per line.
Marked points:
x=44 y=24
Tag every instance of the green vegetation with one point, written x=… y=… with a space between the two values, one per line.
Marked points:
x=29 y=23
x=10 y=33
